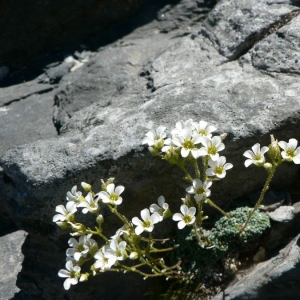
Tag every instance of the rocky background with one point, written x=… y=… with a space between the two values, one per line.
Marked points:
x=75 y=106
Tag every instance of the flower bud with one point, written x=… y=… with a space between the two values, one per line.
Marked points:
x=274 y=150
x=154 y=151
x=79 y=228
x=268 y=166
x=105 y=184
x=87 y=187
x=63 y=225
x=133 y=255
x=84 y=277
x=100 y=219
x=223 y=136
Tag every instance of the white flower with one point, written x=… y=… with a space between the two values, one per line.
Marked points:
x=80 y=248
x=72 y=273
x=186 y=218
x=291 y=152
x=90 y=204
x=112 y=194
x=161 y=208
x=155 y=137
x=218 y=168
x=65 y=212
x=75 y=196
x=148 y=221
x=200 y=189
x=211 y=147
x=102 y=262
x=116 y=250
x=187 y=142
x=180 y=126
x=202 y=128
x=256 y=156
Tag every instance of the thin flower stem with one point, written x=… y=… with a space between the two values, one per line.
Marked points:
x=200 y=213
x=161 y=240
x=211 y=203
x=97 y=232
x=159 y=272
x=188 y=176
x=261 y=197
x=197 y=170
x=205 y=164
x=154 y=250
x=120 y=216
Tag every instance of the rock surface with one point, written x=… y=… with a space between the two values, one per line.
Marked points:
x=237 y=69
x=11 y=261
x=277 y=278
x=282 y=214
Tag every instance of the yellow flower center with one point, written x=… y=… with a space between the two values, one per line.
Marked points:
x=147 y=224
x=219 y=170
x=72 y=274
x=188 y=144
x=114 y=197
x=290 y=152
x=80 y=248
x=212 y=150
x=257 y=156
x=187 y=219
x=200 y=191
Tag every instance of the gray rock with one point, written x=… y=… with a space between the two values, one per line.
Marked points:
x=276 y=278
x=282 y=232
x=23 y=121
x=21 y=91
x=282 y=214
x=56 y=73
x=26 y=121
x=233 y=34
x=11 y=261
x=279 y=52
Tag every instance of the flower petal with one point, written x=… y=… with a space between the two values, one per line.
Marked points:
x=145 y=214
x=181 y=224
x=177 y=217
x=119 y=189
x=138 y=230
x=110 y=188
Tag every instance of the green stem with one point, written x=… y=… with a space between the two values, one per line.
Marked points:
x=170 y=274
x=97 y=233
x=211 y=203
x=120 y=216
x=261 y=197
x=154 y=250
x=197 y=170
x=205 y=164
x=188 y=176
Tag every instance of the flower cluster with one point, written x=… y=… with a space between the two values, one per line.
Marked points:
x=289 y=152
x=125 y=243
x=187 y=143
x=189 y=138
